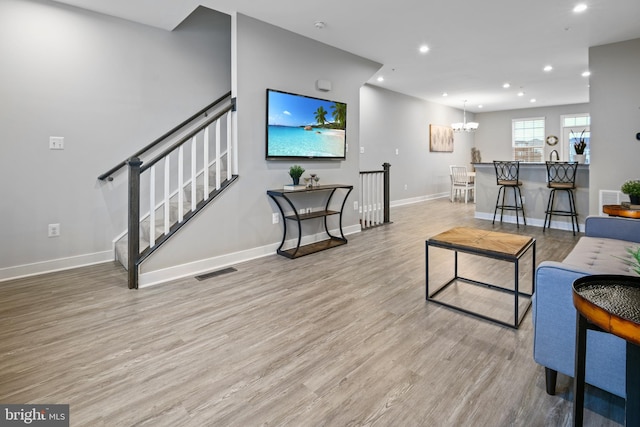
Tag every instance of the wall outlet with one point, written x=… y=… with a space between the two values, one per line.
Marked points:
x=361 y=150
x=523 y=200
x=355 y=205
x=54 y=230
x=397 y=151
x=56 y=143
x=275 y=218
x=406 y=187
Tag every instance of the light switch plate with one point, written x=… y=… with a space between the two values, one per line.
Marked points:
x=56 y=143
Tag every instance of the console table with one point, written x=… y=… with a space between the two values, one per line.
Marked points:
x=281 y=196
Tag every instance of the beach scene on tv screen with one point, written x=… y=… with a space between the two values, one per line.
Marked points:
x=300 y=126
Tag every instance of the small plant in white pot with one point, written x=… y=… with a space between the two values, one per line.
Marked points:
x=579 y=146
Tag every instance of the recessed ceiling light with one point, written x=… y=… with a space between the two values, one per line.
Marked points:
x=586 y=74
x=380 y=79
x=506 y=85
x=480 y=106
x=580 y=8
x=445 y=94
x=424 y=48
x=532 y=100
x=521 y=93
x=548 y=68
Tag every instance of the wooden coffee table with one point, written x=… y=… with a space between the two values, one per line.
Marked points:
x=484 y=243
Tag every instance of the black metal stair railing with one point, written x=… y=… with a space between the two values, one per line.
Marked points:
x=175 y=184
x=374 y=197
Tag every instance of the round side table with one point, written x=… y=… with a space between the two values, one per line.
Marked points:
x=619 y=210
x=608 y=303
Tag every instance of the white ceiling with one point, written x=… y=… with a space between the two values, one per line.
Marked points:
x=475 y=46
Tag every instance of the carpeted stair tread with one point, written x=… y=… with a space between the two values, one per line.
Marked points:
x=122 y=245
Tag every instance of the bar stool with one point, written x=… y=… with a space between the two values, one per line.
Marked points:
x=561 y=176
x=508 y=176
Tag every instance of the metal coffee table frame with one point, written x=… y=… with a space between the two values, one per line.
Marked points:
x=490 y=254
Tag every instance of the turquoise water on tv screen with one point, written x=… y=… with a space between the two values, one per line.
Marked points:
x=296 y=142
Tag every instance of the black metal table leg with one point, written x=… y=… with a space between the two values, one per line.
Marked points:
x=578 y=381
x=632 y=405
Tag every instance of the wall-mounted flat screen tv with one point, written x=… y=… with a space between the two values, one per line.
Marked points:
x=303 y=127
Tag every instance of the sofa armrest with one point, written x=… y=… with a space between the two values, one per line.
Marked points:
x=554 y=320
x=554 y=316
x=613 y=227
x=553 y=297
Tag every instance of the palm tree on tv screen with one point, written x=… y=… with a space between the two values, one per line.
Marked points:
x=339 y=114
x=321 y=116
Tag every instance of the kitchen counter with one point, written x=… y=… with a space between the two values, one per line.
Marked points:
x=534 y=192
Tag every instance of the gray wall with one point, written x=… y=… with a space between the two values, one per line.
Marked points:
x=108 y=86
x=615 y=110
x=493 y=137
x=270 y=57
x=391 y=121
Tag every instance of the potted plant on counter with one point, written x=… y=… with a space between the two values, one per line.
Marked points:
x=632 y=188
x=295 y=172
x=579 y=146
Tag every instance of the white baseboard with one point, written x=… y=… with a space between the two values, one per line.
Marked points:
x=215 y=263
x=202 y=266
x=160 y=276
x=50 y=266
x=418 y=199
x=535 y=222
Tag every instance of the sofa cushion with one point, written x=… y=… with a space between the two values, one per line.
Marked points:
x=598 y=255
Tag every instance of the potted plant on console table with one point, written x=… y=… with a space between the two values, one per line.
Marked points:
x=295 y=172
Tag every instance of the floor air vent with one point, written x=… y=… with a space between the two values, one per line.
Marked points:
x=215 y=273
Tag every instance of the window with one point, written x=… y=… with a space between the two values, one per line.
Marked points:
x=574 y=128
x=576 y=120
x=528 y=139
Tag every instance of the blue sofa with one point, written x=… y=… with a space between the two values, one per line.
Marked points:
x=602 y=250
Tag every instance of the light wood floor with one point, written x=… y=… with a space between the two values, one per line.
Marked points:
x=339 y=338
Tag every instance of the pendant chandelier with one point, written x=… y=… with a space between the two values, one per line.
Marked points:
x=464 y=126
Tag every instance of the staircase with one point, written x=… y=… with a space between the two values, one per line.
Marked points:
x=174 y=178
x=159 y=234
